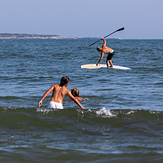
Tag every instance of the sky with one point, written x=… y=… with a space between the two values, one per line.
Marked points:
x=142 y=19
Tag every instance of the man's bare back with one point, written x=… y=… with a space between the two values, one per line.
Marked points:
x=58 y=93
x=106 y=49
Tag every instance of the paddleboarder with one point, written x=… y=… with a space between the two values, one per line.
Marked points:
x=108 y=51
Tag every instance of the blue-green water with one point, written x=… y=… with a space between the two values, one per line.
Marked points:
x=124 y=120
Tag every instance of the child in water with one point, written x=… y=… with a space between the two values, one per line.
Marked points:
x=59 y=92
x=75 y=93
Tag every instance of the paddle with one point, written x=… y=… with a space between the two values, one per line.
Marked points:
x=108 y=35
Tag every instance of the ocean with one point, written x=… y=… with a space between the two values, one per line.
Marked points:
x=124 y=117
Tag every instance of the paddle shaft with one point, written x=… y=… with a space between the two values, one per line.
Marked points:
x=107 y=36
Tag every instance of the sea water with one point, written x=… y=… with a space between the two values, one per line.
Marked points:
x=124 y=117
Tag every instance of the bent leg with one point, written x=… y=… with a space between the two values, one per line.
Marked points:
x=107 y=63
x=111 y=64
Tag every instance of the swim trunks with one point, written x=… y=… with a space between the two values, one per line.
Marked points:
x=110 y=55
x=55 y=105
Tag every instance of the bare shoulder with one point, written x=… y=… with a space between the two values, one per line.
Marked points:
x=56 y=85
x=53 y=86
x=68 y=92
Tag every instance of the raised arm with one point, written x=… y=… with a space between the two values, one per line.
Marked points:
x=74 y=99
x=104 y=42
x=45 y=94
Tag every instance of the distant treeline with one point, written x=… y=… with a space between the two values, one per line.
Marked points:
x=22 y=35
x=31 y=36
x=37 y=36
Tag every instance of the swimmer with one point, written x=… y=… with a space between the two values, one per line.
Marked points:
x=75 y=93
x=59 y=92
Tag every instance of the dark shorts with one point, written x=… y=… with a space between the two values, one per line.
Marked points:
x=110 y=55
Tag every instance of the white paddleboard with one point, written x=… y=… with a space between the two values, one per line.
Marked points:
x=93 y=66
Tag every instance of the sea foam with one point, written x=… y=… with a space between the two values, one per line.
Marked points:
x=105 y=112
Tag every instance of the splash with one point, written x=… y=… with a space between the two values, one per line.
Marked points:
x=105 y=112
x=131 y=112
x=44 y=111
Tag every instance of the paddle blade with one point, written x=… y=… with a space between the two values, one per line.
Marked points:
x=121 y=29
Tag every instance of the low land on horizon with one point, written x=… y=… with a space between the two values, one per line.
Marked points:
x=39 y=36
x=31 y=36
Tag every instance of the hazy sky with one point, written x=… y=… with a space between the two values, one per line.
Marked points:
x=142 y=19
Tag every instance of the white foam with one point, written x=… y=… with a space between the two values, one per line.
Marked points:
x=105 y=112
x=45 y=111
x=130 y=112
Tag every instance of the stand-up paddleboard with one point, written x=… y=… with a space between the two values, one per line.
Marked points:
x=93 y=66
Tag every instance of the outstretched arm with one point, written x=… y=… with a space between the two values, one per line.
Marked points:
x=102 y=54
x=74 y=99
x=45 y=94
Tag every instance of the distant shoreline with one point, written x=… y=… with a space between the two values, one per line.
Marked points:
x=37 y=36
x=31 y=36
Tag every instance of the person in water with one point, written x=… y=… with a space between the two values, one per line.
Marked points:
x=75 y=93
x=108 y=51
x=59 y=92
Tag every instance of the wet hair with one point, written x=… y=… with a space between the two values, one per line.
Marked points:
x=64 y=80
x=98 y=48
x=75 y=92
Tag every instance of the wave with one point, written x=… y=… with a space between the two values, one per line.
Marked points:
x=11 y=97
x=95 y=130
x=103 y=112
